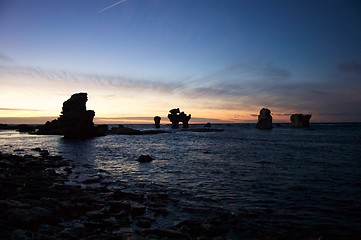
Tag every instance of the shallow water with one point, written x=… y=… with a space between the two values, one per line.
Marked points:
x=276 y=180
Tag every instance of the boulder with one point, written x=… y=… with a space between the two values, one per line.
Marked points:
x=264 y=119
x=300 y=121
x=176 y=116
x=145 y=158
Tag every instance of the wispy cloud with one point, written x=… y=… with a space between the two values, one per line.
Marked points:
x=100 y=80
x=351 y=66
x=5 y=59
x=113 y=5
x=234 y=88
x=18 y=109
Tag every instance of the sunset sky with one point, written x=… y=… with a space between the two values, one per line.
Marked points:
x=221 y=61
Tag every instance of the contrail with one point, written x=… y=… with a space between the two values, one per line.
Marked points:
x=104 y=9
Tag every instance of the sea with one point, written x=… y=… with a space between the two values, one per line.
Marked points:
x=279 y=182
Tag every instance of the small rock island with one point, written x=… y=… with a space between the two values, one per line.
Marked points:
x=300 y=120
x=264 y=119
x=157 y=121
x=176 y=117
x=75 y=121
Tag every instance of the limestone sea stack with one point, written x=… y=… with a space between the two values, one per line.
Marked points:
x=300 y=120
x=157 y=121
x=176 y=117
x=264 y=119
x=75 y=121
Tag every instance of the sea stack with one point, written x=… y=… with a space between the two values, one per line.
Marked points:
x=300 y=121
x=264 y=119
x=75 y=121
x=157 y=121
x=176 y=116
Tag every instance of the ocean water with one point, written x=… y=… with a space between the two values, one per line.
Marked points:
x=280 y=182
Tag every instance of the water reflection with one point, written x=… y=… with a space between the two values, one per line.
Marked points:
x=81 y=151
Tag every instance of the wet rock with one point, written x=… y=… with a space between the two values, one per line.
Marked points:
x=145 y=159
x=300 y=120
x=21 y=234
x=44 y=153
x=143 y=222
x=264 y=119
x=92 y=180
x=137 y=209
x=164 y=233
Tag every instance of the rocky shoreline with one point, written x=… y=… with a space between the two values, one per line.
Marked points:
x=37 y=201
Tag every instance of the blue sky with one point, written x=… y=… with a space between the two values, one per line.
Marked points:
x=223 y=60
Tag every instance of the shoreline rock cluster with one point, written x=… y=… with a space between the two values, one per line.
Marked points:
x=37 y=202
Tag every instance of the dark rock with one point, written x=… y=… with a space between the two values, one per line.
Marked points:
x=264 y=119
x=176 y=117
x=300 y=120
x=207 y=125
x=145 y=158
x=36 y=149
x=25 y=128
x=164 y=233
x=75 y=121
x=122 y=130
x=137 y=209
x=44 y=153
x=157 y=121
x=144 y=222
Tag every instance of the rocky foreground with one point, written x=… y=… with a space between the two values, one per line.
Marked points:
x=36 y=202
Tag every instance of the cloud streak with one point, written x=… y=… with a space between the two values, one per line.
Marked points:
x=234 y=88
x=351 y=66
x=18 y=109
x=113 y=5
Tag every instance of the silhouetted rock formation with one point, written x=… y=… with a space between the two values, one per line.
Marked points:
x=157 y=121
x=300 y=121
x=176 y=116
x=50 y=128
x=122 y=130
x=208 y=125
x=264 y=119
x=145 y=158
x=75 y=121
x=19 y=128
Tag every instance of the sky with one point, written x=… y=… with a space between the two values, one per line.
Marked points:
x=221 y=61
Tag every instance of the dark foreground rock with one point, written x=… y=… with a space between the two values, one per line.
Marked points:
x=36 y=202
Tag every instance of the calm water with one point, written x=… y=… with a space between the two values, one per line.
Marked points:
x=308 y=180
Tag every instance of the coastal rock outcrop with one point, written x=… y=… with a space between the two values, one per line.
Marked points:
x=176 y=117
x=264 y=119
x=157 y=121
x=300 y=120
x=75 y=121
